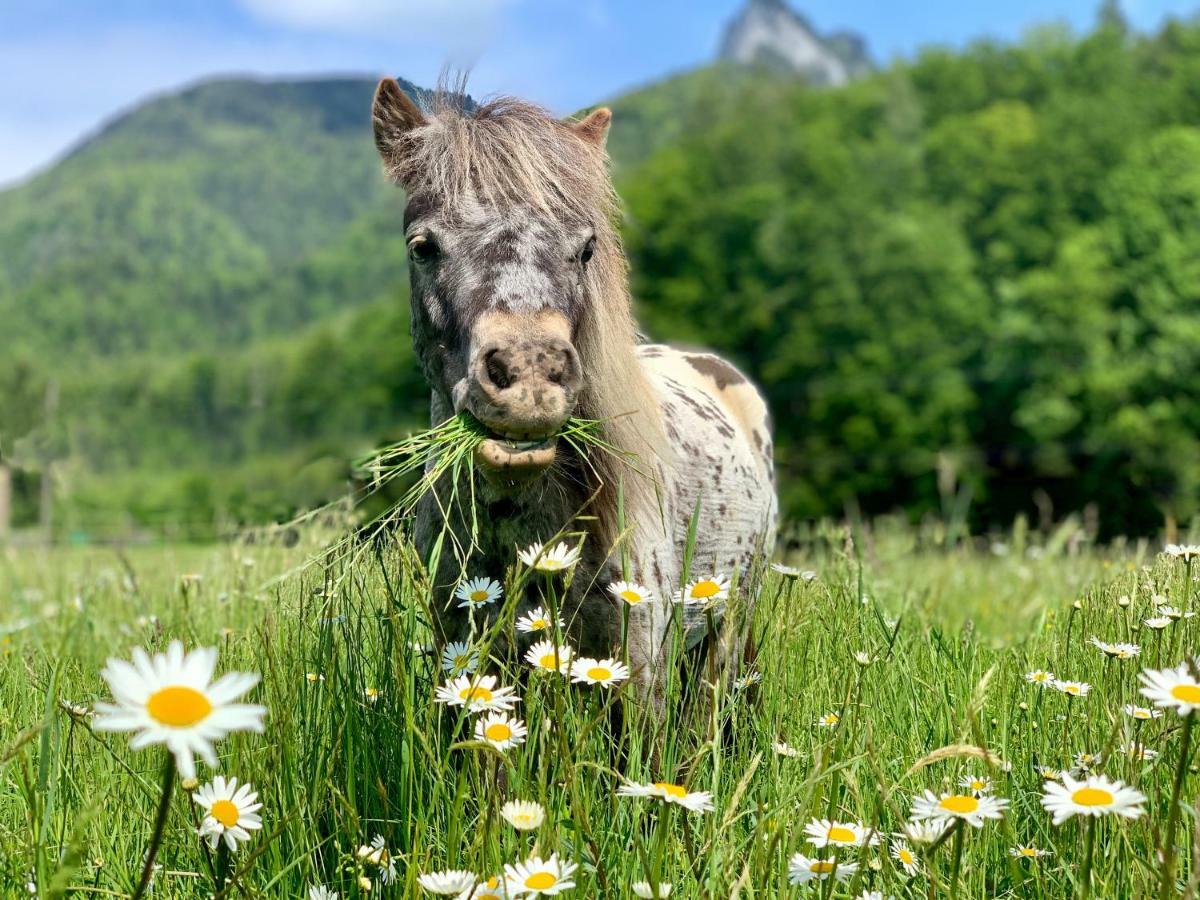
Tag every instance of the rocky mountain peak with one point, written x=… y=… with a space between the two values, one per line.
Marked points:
x=770 y=33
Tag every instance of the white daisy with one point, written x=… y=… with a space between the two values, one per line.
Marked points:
x=523 y=815
x=748 y=680
x=704 y=590
x=786 y=571
x=631 y=592
x=320 y=892
x=783 y=748
x=604 y=672
x=1158 y=622
x=1142 y=713
x=1049 y=773
x=695 y=801
x=475 y=592
x=537 y=620
x=476 y=694
x=449 y=881
x=976 y=784
x=1173 y=613
x=803 y=869
x=1094 y=796
x=1186 y=552
x=829 y=720
x=924 y=832
x=947 y=807
x=376 y=854
x=459 y=658
x=536 y=876
x=1027 y=851
x=1116 y=651
x=874 y=895
x=1139 y=752
x=170 y=699
x=371 y=694
x=545 y=657
x=907 y=859
x=1073 y=688
x=549 y=559
x=230 y=812
x=643 y=889
x=1175 y=689
x=491 y=889
x=827 y=833
x=1040 y=677
x=500 y=730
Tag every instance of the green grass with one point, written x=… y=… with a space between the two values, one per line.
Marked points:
x=950 y=634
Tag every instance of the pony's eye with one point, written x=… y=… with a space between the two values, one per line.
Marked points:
x=423 y=249
x=585 y=255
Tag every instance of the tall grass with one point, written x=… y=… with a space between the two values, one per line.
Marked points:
x=355 y=745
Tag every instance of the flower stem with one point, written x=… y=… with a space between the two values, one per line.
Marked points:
x=956 y=860
x=222 y=866
x=1089 y=844
x=1168 y=847
x=160 y=824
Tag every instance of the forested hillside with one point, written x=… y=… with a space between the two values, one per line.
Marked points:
x=968 y=280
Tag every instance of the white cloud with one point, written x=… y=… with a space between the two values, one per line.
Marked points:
x=460 y=25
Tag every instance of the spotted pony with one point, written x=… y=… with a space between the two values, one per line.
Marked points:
x=521 y=315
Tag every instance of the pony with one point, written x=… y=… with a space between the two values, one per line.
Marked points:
x=522 y=316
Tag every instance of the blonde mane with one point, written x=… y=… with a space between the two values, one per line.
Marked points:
x=510 y=152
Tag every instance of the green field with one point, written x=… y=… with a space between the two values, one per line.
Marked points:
x=948 y=633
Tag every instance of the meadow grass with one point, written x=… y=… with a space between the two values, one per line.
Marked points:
x=355 y=745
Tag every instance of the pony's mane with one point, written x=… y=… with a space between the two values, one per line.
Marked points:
x=509 y=151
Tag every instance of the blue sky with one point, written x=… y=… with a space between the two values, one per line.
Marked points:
x=68 y=65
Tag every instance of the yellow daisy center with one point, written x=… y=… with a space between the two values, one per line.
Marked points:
x=539 y=881
x=830 y=719
x=497 y=731
x=1040 y=676
x=538 y=624
x=1188 y=693
x=178 y=706
x=478 y=596
x=1090 y=796
x=1028 y=851
x=673 y=790
x=599 y=673
x=548 y=661
x=475 y=693
x=225 y=812
x=959 y=804
x=978 y=785
x=1141 y=714
x=840 y=835
x=1071 y=689
x=822 y=866
x=905 y=857
x=550 y=565
x=631 y=597
x=702 y=590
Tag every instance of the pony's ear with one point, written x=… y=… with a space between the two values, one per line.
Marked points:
x=393 y=114
x=593 y=127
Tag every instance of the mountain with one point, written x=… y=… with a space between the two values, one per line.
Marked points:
x=771 y=34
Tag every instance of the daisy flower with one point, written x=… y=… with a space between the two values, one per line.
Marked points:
x=1142 y=713
x=523 y=815
x=500 y=730
x=975 y=784
x=1027 y=851
x=971 y=809
x=829 y=720
x=826 y=833
x=171 y=699
x=537 y=620
x=476 y=592
x=449 y=881
x=696 y=801
x=1040 y=677
x=476 y=694
x=1085 y=760
x=747 y=680
x=1094 y=796
x=545 y=657
x=458 y=658
x=376 y=854
x=1186 y=552
x=786 y=571
x=320 y=892
x=1173 y=613
x=907 y=859
x=803 y=869
x=536 y=876
x=631 y=592
x=492 y=889
x=230 y=812
x=1175 y=689
x=924 y=832
x=1116 y=651
x=1049 y=773
x=874 y=895
x=1139 y=752
x=704 y=590
x=643 y=889
x=783 y=748
x=1158 y=622
x=604 y=672
x=371 y=694
x=549 y=559
x=314 y=677
x=1073 y=688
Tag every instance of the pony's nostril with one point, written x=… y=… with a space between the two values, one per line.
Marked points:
x=497 y=370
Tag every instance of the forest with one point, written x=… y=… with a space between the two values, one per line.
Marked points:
x=969 y=285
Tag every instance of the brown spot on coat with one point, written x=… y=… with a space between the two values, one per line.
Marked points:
x=715 y=368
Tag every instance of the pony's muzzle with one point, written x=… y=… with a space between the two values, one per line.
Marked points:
x=524 y=389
